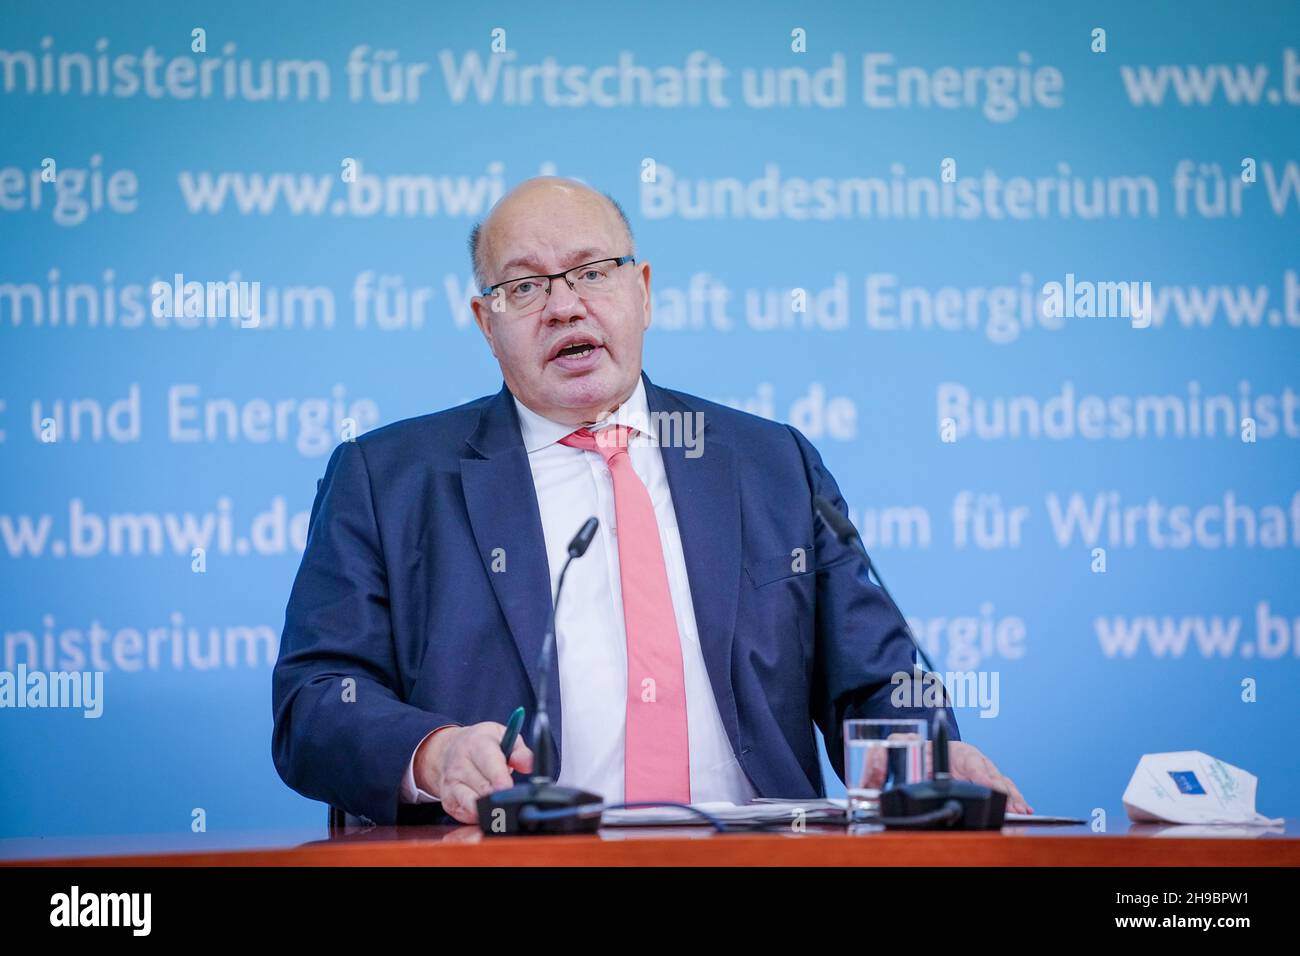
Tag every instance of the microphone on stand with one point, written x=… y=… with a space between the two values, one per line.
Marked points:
x=513 y=811
x=542 y=741
x=941 y=803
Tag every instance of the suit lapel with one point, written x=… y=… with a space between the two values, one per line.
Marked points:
x=503 y=512
x=706 y=498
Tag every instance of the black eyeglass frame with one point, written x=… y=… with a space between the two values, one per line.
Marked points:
x=617 y=260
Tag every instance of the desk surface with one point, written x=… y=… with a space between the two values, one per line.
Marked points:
x=1125 y=845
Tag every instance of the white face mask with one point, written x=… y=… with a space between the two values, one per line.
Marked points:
x=1192 y=787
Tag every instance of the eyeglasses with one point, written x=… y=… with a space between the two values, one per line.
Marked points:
x=526 y=292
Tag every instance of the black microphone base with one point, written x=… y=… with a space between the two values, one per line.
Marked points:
x=499 y=814
x=982 y=808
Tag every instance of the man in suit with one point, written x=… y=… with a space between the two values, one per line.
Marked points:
x=712 y=622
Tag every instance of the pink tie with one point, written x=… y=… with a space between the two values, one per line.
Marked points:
x=656 y=762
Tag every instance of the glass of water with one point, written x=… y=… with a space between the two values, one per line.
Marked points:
x=880 y=755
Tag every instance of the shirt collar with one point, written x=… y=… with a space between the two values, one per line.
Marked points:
x=539 y=432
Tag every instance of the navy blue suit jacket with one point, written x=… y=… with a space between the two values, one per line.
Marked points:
x=396 y=591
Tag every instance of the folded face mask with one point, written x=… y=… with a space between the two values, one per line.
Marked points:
x=1192 y=787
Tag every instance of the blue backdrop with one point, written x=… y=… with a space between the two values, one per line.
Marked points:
x=922 y=172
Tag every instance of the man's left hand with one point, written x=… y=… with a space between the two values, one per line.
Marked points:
x=967 y=763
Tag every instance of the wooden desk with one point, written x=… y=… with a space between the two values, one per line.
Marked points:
x=1126 y=845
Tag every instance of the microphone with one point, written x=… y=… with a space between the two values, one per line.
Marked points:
x=542 y=741
x=528 y=808
x=941 y=803
x=582 y=540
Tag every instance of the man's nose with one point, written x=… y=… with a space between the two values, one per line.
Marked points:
x=563 y=303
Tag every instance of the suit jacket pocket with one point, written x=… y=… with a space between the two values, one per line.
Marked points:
x=794 y=562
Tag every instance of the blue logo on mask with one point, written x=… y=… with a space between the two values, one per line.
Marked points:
x=1187 y=782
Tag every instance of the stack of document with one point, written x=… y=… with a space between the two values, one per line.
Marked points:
x=767 y=810
x=810 y=811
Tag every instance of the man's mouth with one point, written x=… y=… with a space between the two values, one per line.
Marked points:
x=576 y=351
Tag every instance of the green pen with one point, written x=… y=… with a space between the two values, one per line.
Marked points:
x=513 y=726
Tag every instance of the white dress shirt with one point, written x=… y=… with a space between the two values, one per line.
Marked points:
x=591 y=640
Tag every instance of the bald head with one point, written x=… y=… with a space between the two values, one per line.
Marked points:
x=569 y=349
x=530 y=203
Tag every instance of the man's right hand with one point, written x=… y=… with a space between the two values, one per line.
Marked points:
x=460 y=764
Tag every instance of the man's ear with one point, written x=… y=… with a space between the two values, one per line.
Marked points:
x=482 y=309
x=645 y=294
